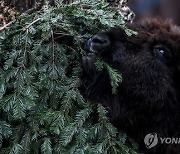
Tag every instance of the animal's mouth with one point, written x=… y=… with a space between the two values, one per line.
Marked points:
x=90 y=53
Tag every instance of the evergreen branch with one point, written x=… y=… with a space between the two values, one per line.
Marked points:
x=41 y=107
x=25 y=47
x=74 y=86
x=46 y=146
x=53 y=52
x=16 y=149
x=26 y=142
x=109 y=139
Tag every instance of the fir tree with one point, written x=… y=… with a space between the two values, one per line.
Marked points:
x=41 y=107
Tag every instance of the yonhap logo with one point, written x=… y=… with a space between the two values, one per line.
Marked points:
x=151 y=140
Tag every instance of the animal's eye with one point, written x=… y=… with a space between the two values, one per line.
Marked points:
x=161 y=52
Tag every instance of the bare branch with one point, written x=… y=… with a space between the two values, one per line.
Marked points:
x=25 y=28
x=6 y=26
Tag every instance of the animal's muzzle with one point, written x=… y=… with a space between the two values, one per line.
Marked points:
x=97 y=44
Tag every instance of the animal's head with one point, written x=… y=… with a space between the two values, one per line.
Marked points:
x=149 y=61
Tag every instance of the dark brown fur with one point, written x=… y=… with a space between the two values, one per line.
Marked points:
x=148 y=99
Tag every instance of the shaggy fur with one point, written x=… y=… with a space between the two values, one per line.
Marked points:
x=148 y=99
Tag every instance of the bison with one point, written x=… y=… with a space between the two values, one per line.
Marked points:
x=148 y=98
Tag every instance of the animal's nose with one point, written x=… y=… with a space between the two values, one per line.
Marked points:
x=98 y=39
x=97 y=43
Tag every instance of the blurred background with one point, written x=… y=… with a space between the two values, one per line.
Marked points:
x=166 y=9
